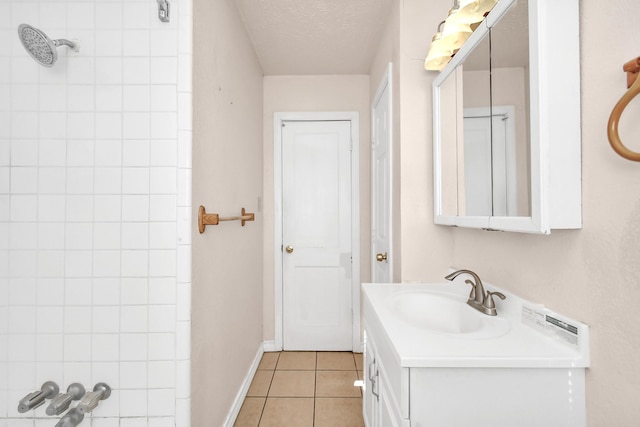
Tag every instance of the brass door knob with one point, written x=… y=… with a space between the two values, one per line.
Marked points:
x=289 y=249
x=381 y=257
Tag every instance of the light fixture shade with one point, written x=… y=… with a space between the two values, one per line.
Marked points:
x=454 y=33
x=473 y=11
x=438 y=56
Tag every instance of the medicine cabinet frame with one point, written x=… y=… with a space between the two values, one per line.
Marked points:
x=554 y=109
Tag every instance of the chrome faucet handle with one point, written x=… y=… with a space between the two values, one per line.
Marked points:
x=489 y=304
x=61 y=402
x=91 y=399
x=35 y=399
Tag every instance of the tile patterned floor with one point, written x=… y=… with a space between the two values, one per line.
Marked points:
x=304 y=389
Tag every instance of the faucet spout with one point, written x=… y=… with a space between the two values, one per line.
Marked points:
x=477 y=294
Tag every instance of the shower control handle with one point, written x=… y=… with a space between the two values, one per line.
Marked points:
x=35 y=399
x=61 y=402
x=90 y=400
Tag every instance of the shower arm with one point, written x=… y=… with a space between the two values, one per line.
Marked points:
x=65 y=42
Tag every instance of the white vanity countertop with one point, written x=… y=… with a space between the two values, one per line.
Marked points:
x=535 y=344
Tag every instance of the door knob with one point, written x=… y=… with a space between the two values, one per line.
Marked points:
x=289 y=249
x=381 y=257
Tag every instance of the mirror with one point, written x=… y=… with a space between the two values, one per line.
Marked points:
x=506 y=122
x=487 y=173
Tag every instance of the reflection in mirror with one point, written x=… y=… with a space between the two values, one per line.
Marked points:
x=475 y=176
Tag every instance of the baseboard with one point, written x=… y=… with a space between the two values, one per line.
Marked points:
x=237 y=403
x=271 y=346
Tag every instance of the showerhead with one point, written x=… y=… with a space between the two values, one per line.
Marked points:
x=40 y=47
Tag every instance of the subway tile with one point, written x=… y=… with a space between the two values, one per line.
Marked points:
x=135 y=153
x=134 y=263
x=106 y=263
x=163 y=125
x=109 y=16
x=162 y=318
x=162 y=235
x=133 y=403
x=81 y=71
x=52 y=152
x=49 y=320
x=135 y=42
x=162 y=263
x=81 y=16
x=108 y=70
x=50 y=292
x=105 y=292
x=44 y=207
x=80 y=153
x=109 y=42
x=133 y=375
x=50 y=263
x=136 y=98
x=24 y=180
x=134 y=318
x=162 y=374
x=79 y=208
x=106 y=235
x=24 y=153
x=135 y=207
x=164 y=98
x=162 y=290
x=105 y=319
x=52 y=98
x=135 y=125
x=77 y=347
x=77 y=291
x=108 y=180
x=79 y=180
x=107 y=372
x=49 y=348
x=24 y=125
x=163 y=153
x=135 y=180
x=107 y=207
x=81 y=97
x=161 y=402
x=105 y=347
x=77 y=371
x=24 y=97
x=162 y=346
x=163 y=180
x=138 y=15
x=109 y=124
x=23 y=235
x=51 y=180
x=77 y=320
x=162 y=208
x=80 y=125
x=22 y=264
x=78 y=235
x=136 y=71
x=134 y=346
x=135 y=235
x=21 y=348
x=108 y=153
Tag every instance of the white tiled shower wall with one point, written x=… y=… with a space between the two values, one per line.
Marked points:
x=95 y=196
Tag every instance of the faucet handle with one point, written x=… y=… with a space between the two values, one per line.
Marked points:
x=91 y=399
x=489 y=304
x=61 y=402
x=472 y=294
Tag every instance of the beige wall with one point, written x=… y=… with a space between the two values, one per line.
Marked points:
x=312 y=94
x=227 y=175
x=590 y=274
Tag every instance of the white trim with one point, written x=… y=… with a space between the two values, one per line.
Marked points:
x=385 y=82
x=354 y=118
x=244 y=388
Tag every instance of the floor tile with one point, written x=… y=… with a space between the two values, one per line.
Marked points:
x=260 y=384
x=335 y=361
x=297 y=360
x=359 y=361
x=334 y=412
x=290 y=412
x=336 y=384
x=269 y=361
x=292 y=384
x=250 y=412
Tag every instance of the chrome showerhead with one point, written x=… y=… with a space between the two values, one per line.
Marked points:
x=40 y=47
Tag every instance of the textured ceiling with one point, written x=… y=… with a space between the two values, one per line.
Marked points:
x=303 y=37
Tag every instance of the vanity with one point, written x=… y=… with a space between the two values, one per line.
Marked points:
x=432 y=360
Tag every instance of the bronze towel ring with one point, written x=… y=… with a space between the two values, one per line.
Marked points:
x=633 y=84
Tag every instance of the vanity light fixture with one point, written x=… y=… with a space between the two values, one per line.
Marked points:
x=474 y=11
x=439 y=54
x=464 y=17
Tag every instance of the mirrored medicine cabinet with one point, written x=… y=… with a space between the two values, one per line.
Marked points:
x=506 y=122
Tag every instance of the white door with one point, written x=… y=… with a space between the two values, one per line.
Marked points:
x=316 y=235
x=489 y=161
x=381 y=267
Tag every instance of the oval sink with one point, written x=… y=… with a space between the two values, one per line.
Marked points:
x=446 y=314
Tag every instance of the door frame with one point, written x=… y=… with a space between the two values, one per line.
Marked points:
x=385 y=84
x=354 y=118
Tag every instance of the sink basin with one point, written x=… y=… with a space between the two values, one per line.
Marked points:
x=446 y=314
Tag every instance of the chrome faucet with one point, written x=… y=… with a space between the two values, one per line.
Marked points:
x=478 y=298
